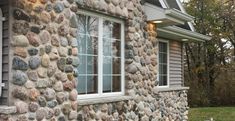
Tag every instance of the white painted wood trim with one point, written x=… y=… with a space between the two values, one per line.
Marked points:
x=1 y=43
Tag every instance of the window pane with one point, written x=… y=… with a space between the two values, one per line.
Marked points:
x=88 y=25
x=162 y=58
x=107 y=65
x=111 y=84
x=116 y=48
x=116 y=65
x=81 y=85
x=107 y=82
x=163 y=63
x=92 y=45
x=162 y=69
x=111 y=30
x=107 y=47
x=82 y=43
x=92 y=84
x=116 y=84
x=92 y=65
x=83 y=63
x=116 y=31
x=162 y=80
x=162 y=47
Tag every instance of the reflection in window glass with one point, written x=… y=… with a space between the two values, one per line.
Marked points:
x=111 y=53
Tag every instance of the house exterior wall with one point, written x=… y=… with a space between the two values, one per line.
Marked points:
x=47 y=93
x=176 y=68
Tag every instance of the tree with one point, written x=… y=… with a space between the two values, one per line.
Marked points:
x=204 y=60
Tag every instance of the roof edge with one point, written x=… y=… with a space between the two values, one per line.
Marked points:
x=184 y=33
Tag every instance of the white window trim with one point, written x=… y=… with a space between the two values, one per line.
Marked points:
x=100 y=93
x=1 y=43
x=168 y=63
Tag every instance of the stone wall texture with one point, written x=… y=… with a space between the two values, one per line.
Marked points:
x=44 y=59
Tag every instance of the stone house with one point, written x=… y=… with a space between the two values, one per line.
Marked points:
x=93 y=60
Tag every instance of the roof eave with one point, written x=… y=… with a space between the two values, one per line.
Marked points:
x=168 y=17
x=183 y=34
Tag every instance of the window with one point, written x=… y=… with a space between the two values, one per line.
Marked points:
x=101 y=54
x=1 y=49
x=163 y=65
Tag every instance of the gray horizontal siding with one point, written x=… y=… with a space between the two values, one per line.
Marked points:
x=175 y=60
x=5 y=68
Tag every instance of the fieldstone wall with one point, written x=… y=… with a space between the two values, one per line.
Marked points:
x=44 y=61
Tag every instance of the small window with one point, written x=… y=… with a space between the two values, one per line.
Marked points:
x=163 y=64
x=1 y=49
x=101 y=54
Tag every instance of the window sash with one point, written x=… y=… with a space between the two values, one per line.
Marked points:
x=1 y=49
x=163 y=64
x=100 y=93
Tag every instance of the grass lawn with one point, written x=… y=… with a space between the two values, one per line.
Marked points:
x=217 y=113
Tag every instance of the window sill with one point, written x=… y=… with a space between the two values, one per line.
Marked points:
x=103 y=100
x=7 y=109
x=168 y=89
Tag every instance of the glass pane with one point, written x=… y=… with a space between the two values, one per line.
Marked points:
x=81 y=85
x=116 y=84
x=116 y=31
x=107 y=47
x=81 y=23
x=107 y=82
x=116 y=65
x=116 y=49
x=92 y=26
x=162 y=69
x=83 y=62
x=92 y=84
x=162 y=47
x=92 y=45
x=88 y=25
x=82 y=43
x=111 y=30
x=107 y=65
x=92 y=65
x=162 y=80
x=107 y=29
x=162 y=58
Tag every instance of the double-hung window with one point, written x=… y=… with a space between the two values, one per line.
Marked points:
x=101 y=55
x=163 y=65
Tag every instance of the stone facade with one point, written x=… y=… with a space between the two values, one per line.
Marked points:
x=44 y=59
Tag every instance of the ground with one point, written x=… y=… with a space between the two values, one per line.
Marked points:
x=217 y=113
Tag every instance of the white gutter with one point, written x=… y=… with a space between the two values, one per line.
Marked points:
x=181 y=33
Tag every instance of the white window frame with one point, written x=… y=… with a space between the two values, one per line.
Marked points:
x=100 y=93
x=168 y=63
x=1 y=44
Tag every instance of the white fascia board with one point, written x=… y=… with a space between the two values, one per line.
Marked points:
x=179 y=15
x=181 y=33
